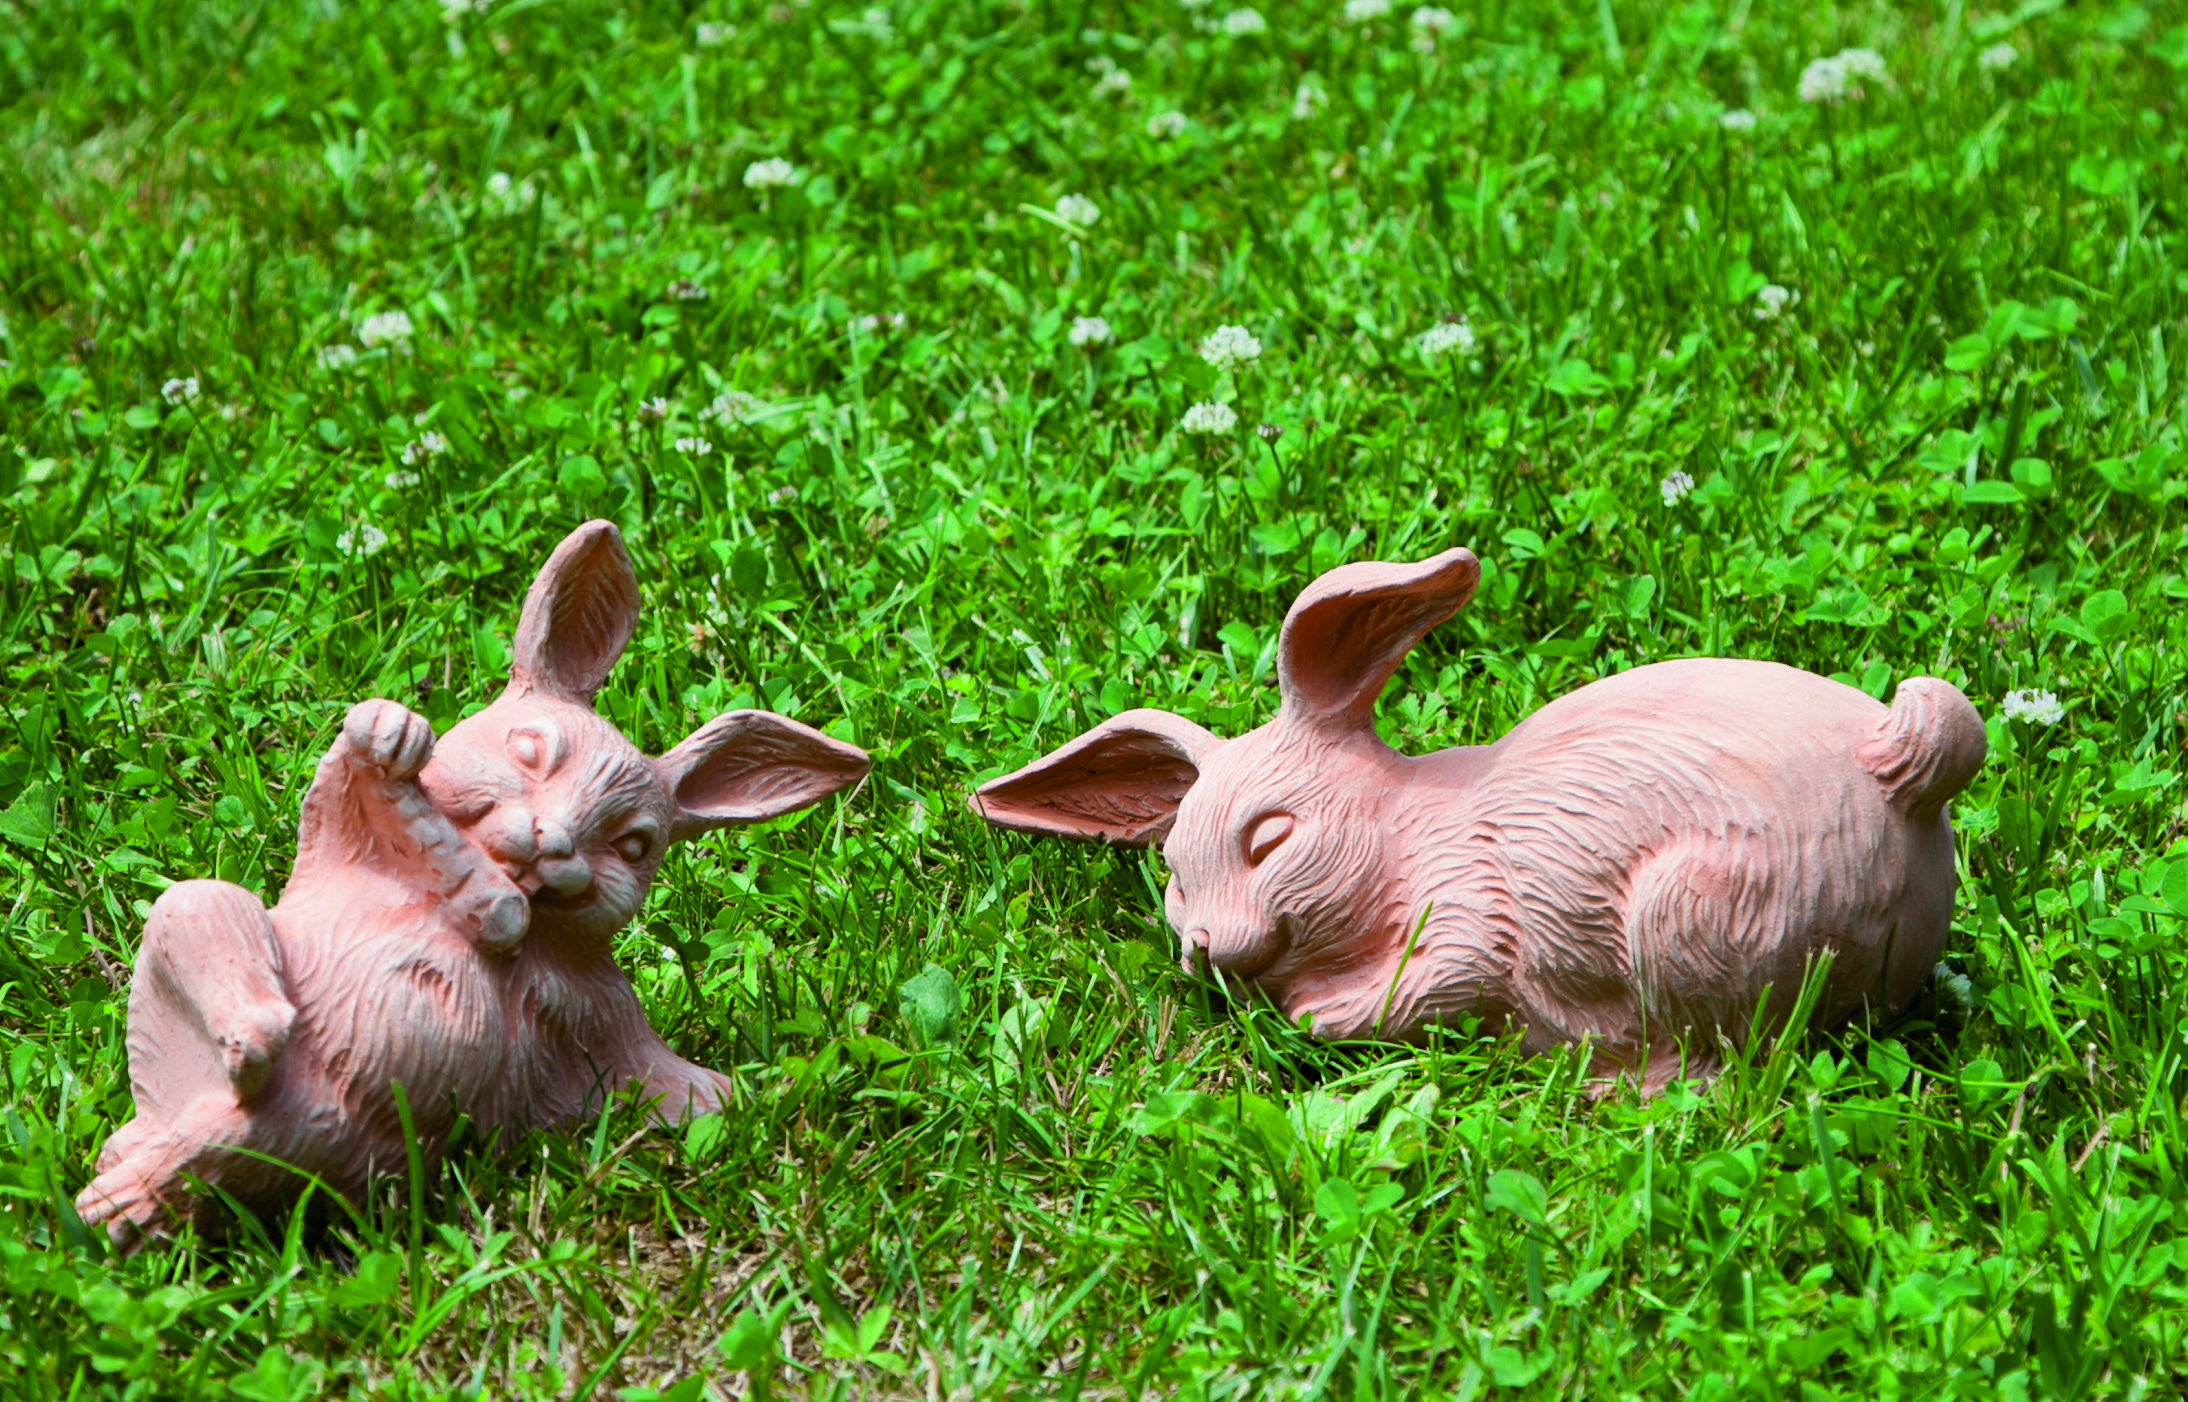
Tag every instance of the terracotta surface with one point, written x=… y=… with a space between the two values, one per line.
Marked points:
x=447 y=928
x=1644 y=862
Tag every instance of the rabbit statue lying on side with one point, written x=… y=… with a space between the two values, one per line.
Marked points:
x=1644 y=863
x=447 y=929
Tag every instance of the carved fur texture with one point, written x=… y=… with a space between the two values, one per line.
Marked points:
x=446 y=932
x=1647 y=863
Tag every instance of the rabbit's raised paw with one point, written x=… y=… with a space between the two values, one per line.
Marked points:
x=389 y=737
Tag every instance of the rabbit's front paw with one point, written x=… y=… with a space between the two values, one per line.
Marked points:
x=389 y=737
x=503 y=923
x=250 y=1039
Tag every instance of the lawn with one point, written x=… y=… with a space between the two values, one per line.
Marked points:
x=879 y=333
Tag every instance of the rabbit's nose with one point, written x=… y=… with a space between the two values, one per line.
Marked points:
x=565 y=876
x=554 y=839
x=1237 y=953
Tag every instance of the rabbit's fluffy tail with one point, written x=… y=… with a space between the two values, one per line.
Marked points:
x=1927 y=747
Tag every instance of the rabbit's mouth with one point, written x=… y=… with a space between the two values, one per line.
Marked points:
x=547 y=898
x=533 y=883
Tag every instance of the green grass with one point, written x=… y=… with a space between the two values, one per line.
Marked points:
x=1057 y=1166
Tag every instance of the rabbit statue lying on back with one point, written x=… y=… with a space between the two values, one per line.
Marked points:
x=447 y=929
x=1644 y=863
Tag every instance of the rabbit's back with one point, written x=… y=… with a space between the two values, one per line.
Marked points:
x=1670 y=842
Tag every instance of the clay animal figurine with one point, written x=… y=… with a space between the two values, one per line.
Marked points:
x=446 y=929
x=1644 y=863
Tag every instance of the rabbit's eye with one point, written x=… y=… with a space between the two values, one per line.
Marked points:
x=537 y=748
x=1265 y=834
x=633 y=846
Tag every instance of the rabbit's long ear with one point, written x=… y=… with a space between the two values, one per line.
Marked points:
x=1349 y=630
x=743 y=766
x=1121 y=782
x=577 y=618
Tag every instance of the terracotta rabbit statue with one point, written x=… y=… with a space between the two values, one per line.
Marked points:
x=447 y=929
x=1644 y=863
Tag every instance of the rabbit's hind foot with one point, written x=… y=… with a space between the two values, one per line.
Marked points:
x=142 y=1188
x=122 y=1202
x=681 y=1091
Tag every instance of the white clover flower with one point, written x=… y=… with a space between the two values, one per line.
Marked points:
x=1675 y=488
x=1839 y=77
x=1167 y=126
x=1446 y=336
x=1823 y=81
x=685 y=290
x=782 y=496
x=385 y=329
x=694 y=447
x=1229 y=347
x=774 y=173
x=336 y=357
x=426 y=445
x=733 y=407
x=1240 y=23
x=875 y=22
x=654 y=410
x=399 y=481
x=180 y=391
x=2035 y=707
x=1862 y=63
x=453 y=10
x=361 y=540
x=880 y=323
x=1772 y=300
x=1089 y=331
x=712 y=35
x=1955 y=987
x=1997 y=58
x=506 y=196
x=1113 y=80
x=1078 y=210
x=1209 y=417
x=1434 y=21
x=1738 y=119
x=1307 y=99
x=1361 y=11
